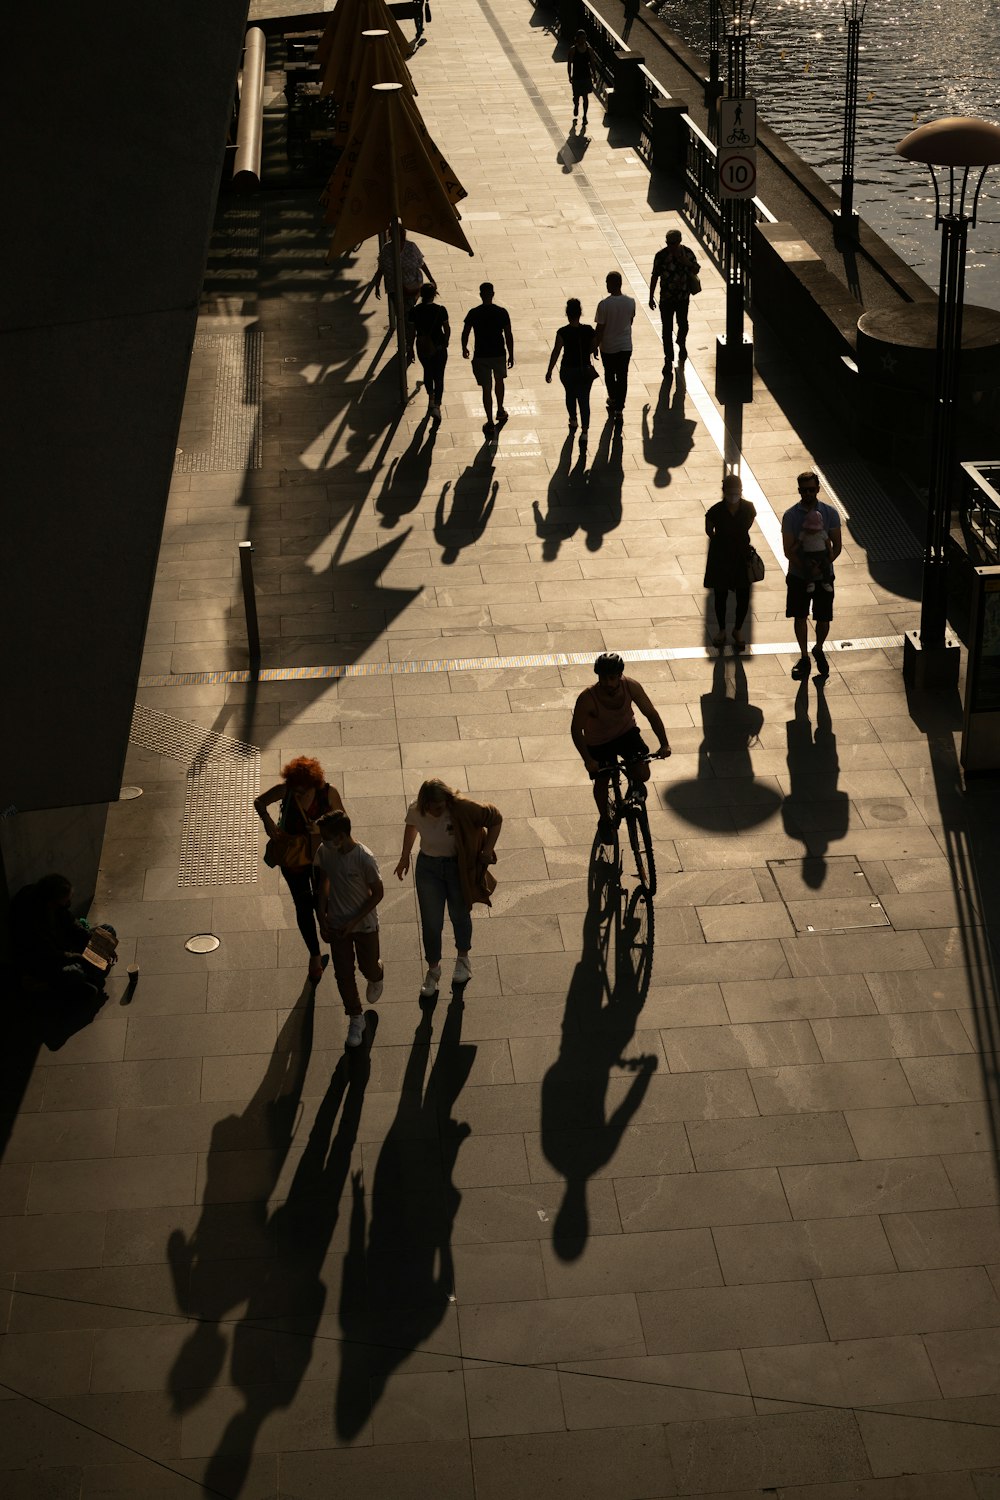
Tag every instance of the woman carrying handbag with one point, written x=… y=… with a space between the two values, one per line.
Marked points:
x=305 y=796
x=730 y=557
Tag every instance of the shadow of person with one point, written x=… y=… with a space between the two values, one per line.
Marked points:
x=472 y=502
x=399 y=1286
x=667 y=440
x=407 y=475
x=208 y=1283
x=566 y=501
x=584 y=1113
x=273 y=1343
x=726 y=789
x=574 y=148
x=607 y=475
x=814 y=811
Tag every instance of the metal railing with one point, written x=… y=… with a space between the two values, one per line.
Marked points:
x=979 y=512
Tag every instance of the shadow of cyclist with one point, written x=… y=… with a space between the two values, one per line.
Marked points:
x=584 y=1111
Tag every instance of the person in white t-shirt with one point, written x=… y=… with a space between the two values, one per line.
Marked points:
x=349 y=888
x=457 y=841
x=613 y=337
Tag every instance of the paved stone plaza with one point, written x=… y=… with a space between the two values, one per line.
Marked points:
x=689 y=1199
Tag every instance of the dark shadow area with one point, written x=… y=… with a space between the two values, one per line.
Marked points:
x=879 y=510
x=607 y=475
x=970 y=825
x=814 y=811
x=584 y=1112
x=407 y=476
x=575 y=149
x=240 y=1256
x=568 y=508
x=667 y=435
x=398 y=1284
x=33 y=1021
x=472 y=500
x=725 y=789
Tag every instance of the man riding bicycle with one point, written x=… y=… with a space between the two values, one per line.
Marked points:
x=604 y=727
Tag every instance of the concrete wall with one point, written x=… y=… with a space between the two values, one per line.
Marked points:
x=119 y=114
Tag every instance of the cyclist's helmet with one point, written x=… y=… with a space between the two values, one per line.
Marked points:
x=609 y=664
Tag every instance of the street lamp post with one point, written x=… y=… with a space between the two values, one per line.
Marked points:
x=854 y=15
x=713 y=87
x=953 y=148
x=734 y=355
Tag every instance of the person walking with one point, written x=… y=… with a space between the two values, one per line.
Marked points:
x=349 y=889
x=432 y=331
x=414 y=269
x=628 y=20
x=305 y=796
x=613 y=337
x=575 y=342
x=799 y=597
x=674 y=269
x=580 y=71
x=604 y=727
x=457 y=842
x=493 y=354
x=727 y=526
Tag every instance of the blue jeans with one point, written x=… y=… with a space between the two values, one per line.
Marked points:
x=438 y=885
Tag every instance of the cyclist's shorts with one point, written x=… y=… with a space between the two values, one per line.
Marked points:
x=629 y=746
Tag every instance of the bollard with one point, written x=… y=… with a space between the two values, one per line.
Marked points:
x=250 y=604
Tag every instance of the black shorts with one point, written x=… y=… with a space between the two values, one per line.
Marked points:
x=630 y=746
x=798 y=602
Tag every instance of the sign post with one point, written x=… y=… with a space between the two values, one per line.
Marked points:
x=737 y=165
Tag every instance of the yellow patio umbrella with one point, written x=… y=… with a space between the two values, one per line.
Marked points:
x=389 y=178
x=373 y=59
x=348 y=20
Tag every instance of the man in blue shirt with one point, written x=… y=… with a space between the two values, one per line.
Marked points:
x=799 y=596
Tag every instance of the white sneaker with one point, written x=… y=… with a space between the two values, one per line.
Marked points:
x=432 y=980
x=463 y=971
x=374 y=991
x=356 y=1031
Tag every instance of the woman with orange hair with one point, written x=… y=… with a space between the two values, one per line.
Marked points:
x=305 y=796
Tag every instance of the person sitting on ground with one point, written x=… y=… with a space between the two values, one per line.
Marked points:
x=49 y=943
x=604 y=727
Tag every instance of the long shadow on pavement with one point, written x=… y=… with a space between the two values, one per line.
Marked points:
x=399 y=1279
x=239 y=1256
x=815 y=810
x=584 y=1112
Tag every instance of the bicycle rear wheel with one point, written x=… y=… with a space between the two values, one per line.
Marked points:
x=641 y=840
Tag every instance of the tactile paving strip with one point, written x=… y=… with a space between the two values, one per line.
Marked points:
x=235 y=442
x=220 y=837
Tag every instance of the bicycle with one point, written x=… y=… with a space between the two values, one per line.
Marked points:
x=630 y=804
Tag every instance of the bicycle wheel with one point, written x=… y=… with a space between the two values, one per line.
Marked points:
x=641 y=840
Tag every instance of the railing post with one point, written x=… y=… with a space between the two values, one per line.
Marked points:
x=669 y=137
x=250 y=604
x=626 y=83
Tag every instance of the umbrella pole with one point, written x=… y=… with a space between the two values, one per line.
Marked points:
x=397 y=263
x=397 y=271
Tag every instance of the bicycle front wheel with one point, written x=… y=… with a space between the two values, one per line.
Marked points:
x=641 y=840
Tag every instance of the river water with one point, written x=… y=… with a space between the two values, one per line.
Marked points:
x=919 y=60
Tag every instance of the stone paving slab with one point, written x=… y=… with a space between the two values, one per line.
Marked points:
x=676 y=1193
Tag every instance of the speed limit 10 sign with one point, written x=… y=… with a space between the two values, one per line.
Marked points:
x=738 y=172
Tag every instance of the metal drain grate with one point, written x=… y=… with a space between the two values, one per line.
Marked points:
x=235 y=441
x=220 y=836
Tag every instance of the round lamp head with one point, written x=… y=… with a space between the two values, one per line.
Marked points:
x=955 y=141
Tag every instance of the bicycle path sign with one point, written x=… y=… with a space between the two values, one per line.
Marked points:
x=737 y=124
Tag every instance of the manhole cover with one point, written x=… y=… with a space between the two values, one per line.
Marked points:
x=127 y=793
x=202 y=942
